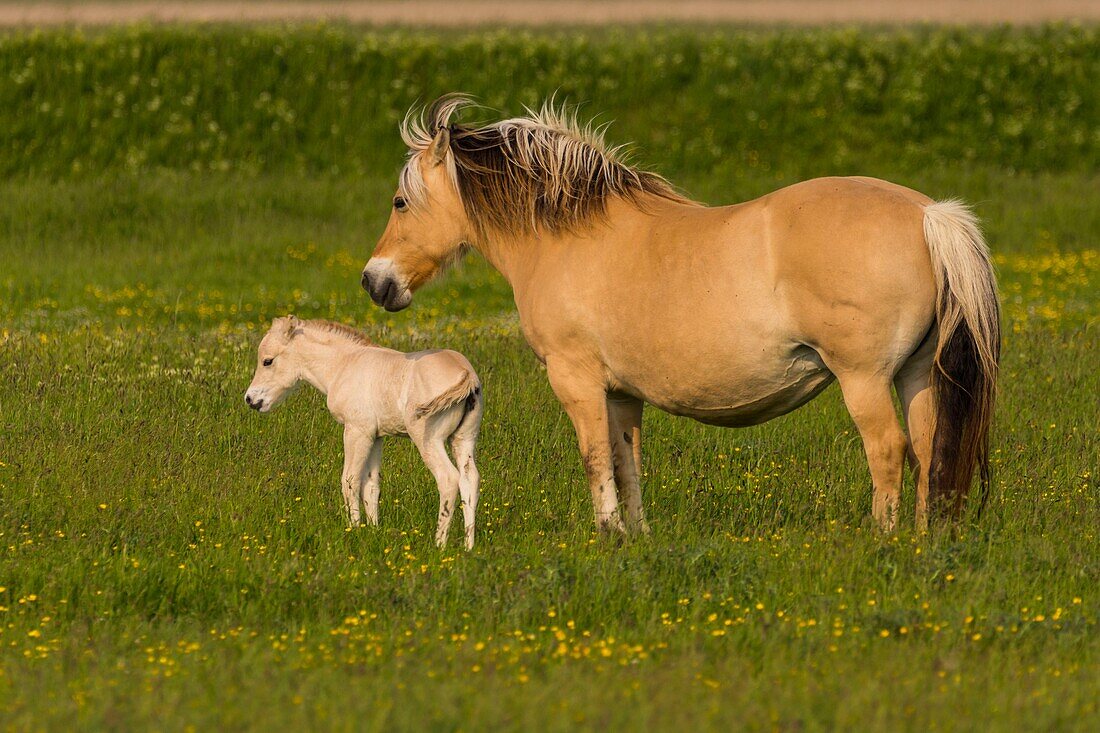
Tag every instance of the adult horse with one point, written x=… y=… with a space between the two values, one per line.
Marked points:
x=732 y=315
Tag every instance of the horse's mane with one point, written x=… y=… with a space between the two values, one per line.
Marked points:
x=544 y=171
x=347 y=332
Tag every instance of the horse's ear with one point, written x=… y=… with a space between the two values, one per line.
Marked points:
x=440 y=146
x=292 y=326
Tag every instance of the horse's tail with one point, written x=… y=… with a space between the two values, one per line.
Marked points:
x=964 y=375
x=467 y=384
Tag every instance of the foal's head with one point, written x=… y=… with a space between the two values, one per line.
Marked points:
x=277 y=368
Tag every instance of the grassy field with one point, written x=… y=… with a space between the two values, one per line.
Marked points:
x=170 y=559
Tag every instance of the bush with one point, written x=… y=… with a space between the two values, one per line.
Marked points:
x=329 y=98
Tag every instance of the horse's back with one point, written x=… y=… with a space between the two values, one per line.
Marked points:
x=848 y=200
x=436 y=371
x=440 y=363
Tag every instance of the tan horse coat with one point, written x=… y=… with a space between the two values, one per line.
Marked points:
x=731 y=315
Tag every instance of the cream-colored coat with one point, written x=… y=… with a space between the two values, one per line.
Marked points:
x=433 y=397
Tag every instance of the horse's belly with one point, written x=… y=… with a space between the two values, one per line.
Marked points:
x=748 y=397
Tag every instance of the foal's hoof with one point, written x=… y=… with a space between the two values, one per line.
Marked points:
x=611 y=526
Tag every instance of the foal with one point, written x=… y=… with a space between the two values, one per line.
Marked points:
x=431 y=396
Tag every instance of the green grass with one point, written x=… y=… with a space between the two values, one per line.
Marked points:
x=170 y=559
x=188 y=561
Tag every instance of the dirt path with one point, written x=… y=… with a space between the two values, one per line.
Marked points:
x=545 y=12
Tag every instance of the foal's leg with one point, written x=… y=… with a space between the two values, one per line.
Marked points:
x=357 y=447
x=463 y=443
x=913 y=384
x=430 y=444
x=872 y=407
x=372 y=487
x=625 y=416
x=584 y=398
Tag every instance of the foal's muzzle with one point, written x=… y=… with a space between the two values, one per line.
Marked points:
x=256 y=404
x=385 y=291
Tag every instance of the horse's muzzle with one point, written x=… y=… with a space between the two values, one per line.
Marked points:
x=255 y=404
x=386 y=291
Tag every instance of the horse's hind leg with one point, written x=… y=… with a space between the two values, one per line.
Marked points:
x=625 y=417
x=463 y=444
x=429 y=442
x=872 y=408
x=913 y=384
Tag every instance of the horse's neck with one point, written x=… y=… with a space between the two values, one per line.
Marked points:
x=321 y=360
x=511 y=256
x=518 y=257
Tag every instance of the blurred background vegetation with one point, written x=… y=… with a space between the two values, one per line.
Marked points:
x=328 y=99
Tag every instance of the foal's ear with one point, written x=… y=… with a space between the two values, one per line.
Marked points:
x=293 y=324
x=440 y=146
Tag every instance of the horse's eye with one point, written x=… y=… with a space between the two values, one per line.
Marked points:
x=267 y=362
x=400 y=204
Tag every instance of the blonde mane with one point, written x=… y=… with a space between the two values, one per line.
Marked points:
x=347 y=332
x=544 y=171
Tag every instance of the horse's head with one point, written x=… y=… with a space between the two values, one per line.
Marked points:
x=427 y=231
x=469 y=185
x=277 y=368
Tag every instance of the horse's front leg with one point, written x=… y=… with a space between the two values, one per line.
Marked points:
x=625 y=415
x=584 y=398
x=357 y=447
x=372 y=487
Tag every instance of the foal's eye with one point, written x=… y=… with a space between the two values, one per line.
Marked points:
x=400 y=204
x=267 y=362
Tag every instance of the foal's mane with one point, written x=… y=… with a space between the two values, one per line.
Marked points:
x=544 y=171
x=347 y=332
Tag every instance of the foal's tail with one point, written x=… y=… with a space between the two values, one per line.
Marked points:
x=964 y=376
x=462 y=389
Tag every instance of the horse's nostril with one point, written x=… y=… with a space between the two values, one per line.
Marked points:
x=365 y=281
x=248 y=399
